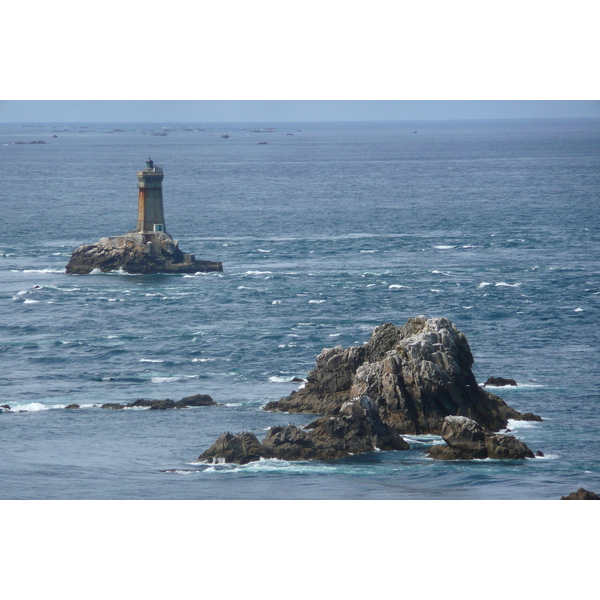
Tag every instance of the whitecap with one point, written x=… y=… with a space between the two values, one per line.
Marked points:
x=397 y=286
x=335 y=334
x=514 y=424
x=280 y=379
x=276 y=302
x=203 y=359
x=484 y=284
x=166 y=379
x=579 y=309
x=30 y=301
x=467 y=307
x=368 y=251
x=261 y=250
x=436 y=291
x=444 y=247
x=181 y=471
x=33 y=407
x=22 y=292
x=440 y=273
x=316 y=301
x=504 y=284
x=43 y=270
x=258 y=272
x=151 y=360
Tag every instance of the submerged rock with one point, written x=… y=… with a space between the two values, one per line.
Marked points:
x=416 y=375
x=140 y=253
x=356 y=429
x=466 y=439
x=581 y=494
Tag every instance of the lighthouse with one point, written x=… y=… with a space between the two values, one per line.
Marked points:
x=151 y=217
x=147 y=249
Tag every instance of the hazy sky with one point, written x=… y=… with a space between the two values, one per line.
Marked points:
x=199 y=111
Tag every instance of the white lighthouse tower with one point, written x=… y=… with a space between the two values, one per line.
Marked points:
x=151 y=217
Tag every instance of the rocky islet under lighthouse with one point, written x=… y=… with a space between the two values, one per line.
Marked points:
x=147 y=249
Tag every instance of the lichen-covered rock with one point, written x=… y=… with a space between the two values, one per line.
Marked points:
x=240 y=448
x=136 y=253
x=464 y=434
x=466 y=439
x=416 y=375
x=581 y=494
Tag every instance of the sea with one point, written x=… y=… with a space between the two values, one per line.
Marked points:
x=325 y=231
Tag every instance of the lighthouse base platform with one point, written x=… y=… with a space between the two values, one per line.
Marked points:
x=137 y=252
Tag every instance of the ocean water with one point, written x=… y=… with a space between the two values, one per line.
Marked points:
x=324 y=234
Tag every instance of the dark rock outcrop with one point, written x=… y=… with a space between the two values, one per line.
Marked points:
x=356 y=429
x=500 y=382
x=197 y=400
x=240 y=448
x=466 y=439
x=416 y=375
x=72 y=406
x=140 y=253
x=581 y=494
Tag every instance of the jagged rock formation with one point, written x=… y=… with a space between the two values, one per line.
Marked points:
x=356 y=429
x=465 y=440
x=581 y=494
x=141 y=253
x=416 y=375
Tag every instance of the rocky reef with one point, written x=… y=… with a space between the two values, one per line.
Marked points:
x=414 y=379
x=356 y=428
x=416 y=376
x=465 y=440
x=141 y=253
